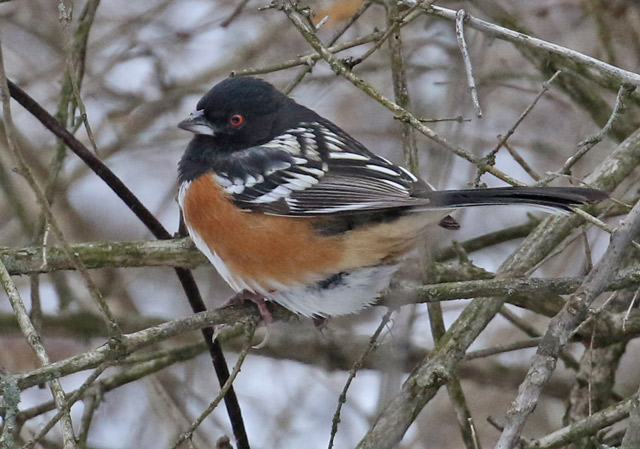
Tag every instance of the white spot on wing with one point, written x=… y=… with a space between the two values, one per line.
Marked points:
x=409 y=174
x=381 y=169
x=351 y=156
x=314 y=171
x=343 y=208
x=250 y=180
x=286 y=142
x=236 y=188
x=299 y=181
x=394 y=184
x=276 y=194
x=222 y=180
x=276 y=166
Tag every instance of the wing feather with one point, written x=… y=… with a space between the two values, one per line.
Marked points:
x=314 y=170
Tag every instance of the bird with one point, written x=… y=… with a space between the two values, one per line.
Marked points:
x=291 y=209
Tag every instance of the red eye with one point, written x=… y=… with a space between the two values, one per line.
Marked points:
x=236 y=120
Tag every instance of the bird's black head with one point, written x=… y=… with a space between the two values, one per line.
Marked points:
x=240 y=112
x=236 y=114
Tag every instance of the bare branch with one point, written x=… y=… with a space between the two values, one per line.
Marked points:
x=561 y=327
x=622 y=76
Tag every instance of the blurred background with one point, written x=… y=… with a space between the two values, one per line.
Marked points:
x=145 y=67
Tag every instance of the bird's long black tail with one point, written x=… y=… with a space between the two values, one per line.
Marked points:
x=554 y=197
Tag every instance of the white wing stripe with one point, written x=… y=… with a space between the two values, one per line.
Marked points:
x=313 y=171
x=381 y=169
x=350 y=156
x=394 y=184
x=409 y=174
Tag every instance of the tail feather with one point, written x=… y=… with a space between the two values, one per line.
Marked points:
x=555 y=197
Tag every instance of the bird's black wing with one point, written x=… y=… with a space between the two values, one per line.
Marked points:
x=314 y=170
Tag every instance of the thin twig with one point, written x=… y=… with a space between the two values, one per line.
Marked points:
x=342 y=399
x=586 y=145
x=34 y=339
x=491 y=157
x=234 y=14
x=622 y=76
x=188 y=434
x=461 y=17
x=311 y=61
x=71 y=66
x=69 y=401
x=308 y=59
x=501 y=349
x=404 y=115
x=520 y=160
x=454 y=387
x=400 y=21
x=138 y=371
x=526 y=327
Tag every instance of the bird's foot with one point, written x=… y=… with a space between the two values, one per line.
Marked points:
x=256 y=298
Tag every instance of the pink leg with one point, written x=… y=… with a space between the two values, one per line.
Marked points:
x=255 y=298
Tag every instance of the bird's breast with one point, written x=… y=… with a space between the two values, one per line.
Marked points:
x=253 y=250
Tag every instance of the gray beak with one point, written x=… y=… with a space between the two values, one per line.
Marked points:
x=197 y=124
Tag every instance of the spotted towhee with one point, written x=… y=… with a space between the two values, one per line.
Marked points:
x=290 y=208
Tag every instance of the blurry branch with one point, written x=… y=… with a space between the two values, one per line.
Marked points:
x=530 y=330
x=8 y=382
x=188 y=434
x=124 y=193
x=587 y=62
x=328 y=350
x=69 y=401
x=236 y=12
x=182 y=252
x=550 y=57
x=372 y=346
x=308 y=59
x=491 y=157
x=585 y=427
x=561 y=326
x=127 y=375
x=138 y=340
x=23 y=169
x=461 y=18
x=631 y=438
x=586 y=145
x=427 y=378
x=311 y=61
x=76 y=48
x=400 y=20
x=401 y=87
